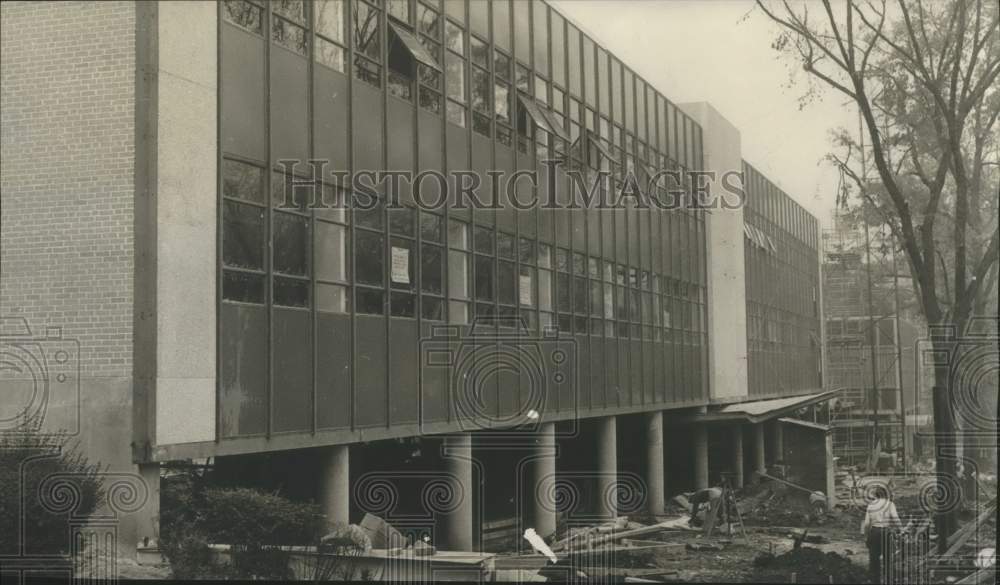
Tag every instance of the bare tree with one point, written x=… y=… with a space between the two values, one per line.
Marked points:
x=923 y=76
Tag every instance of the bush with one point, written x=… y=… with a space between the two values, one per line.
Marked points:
x=57 y=482
x=254 y=523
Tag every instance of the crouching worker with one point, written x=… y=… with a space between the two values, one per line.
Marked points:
x=710 y=496
x=880 y=518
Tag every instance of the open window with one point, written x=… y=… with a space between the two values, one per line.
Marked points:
x=405 y=56
x=532 y=110
x=414 y=47
x=596 y=151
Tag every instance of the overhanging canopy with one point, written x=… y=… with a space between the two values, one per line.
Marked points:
x=761 y=410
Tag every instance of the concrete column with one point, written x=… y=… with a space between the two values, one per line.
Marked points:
x=335 y=484
x=148 y=518
x=737 y=464
x=607 y=467
x=777 y=442
x=544 y=476
x=458 y=525
x=700 y=456
x=654 y=462
x=831 y=472
x=758 y=448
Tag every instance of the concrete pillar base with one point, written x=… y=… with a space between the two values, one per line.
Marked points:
x=458 y=522
x=335 y=485
x=654 y=463
x=607 y=467
x=544 y=480
x=700 y=438
x=737 y=464
x=759 y=463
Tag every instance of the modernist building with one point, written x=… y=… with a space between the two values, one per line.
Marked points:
x=324 y=348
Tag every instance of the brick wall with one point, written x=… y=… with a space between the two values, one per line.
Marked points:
x=67 y=174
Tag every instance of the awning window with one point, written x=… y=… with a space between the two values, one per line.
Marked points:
x=555 y=124
x=534 y=112
x=415 y=48
x=596 y=143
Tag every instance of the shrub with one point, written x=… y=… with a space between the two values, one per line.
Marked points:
x=57 y=482
x=254 y=523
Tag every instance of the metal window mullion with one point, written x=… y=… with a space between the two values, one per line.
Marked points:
x=317 y=183
x=269 y=261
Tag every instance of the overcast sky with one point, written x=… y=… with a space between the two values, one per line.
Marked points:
x=713 y=50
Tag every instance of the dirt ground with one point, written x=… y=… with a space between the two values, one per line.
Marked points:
x=735 y=562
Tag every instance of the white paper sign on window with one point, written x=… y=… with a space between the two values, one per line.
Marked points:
x=400 y=265
x=526 y=291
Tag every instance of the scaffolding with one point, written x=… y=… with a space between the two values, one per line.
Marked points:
x=869 y=406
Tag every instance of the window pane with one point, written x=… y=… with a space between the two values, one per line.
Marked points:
x=580 y=295
x=401 y=221
x=242 y=286
x=573 y=51
x=455 y=9
x=366 y=30
x=501 y=99
x=431 y=269
x=330 y=55
x=558 y=49
x=400 y=9
x=433 y=309
x=483 y=240
x=291 y=292
x=330 y=19
x=455 y=39
x=540 y=23
x=507 y=283
x=479 y=18
x=431 y=227
x=242 y=181
x=563 y=293
x=501 y=65
x=484 y=278
x=501 y=23
x=522 y=31
x=589 y=74
x=289 y=35
x=369 y=218
x=403 y=304
x=428 y=21
x=331 y=298
x=330 y=251
x=369 y=302
x=458 y=274
x=293 y=9
x=291 y=244
x=455 y=77
x=242 y=235
x=479 y=52
x=243 y=14
x=369 y=258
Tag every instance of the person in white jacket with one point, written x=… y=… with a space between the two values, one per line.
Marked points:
x=880 y=518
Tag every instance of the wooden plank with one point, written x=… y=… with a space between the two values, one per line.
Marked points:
x=958 y=539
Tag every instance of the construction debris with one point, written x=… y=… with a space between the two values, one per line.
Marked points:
x=539 y=545
x=702 y=546
x=809 y=565
x=381 y=533
x=604 y=533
